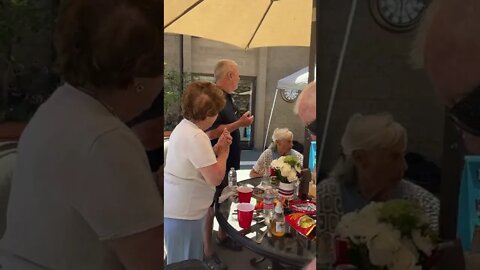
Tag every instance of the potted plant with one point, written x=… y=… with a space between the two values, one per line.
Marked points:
x=17 y=17
x=174 y=83
x=285 y=171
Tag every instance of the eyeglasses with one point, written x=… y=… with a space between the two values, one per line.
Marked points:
x=312 y=127
x=466 y=113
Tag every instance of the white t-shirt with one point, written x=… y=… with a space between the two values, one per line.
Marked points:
x=81 y=177
x=187 y=195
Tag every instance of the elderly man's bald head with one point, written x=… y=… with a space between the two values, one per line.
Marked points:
x=450 y=36
x=222 y=67
x=452 y=47
x=306 y=106
x=227 y=75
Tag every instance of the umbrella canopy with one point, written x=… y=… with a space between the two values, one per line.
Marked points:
x=295 y=81
x=242 y=23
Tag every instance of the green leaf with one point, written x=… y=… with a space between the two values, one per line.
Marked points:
x=404 y=215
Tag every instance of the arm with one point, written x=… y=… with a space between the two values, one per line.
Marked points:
x=312 y=265
x=129 y=216
x=245 y=120
x=141 y=251
x=254 y=174
x=215 y=133
x=259 y=168
x=214 y=174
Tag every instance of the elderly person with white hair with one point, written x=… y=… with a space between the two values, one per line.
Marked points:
x=306 y=107
x=282 y=143
x=371 y=169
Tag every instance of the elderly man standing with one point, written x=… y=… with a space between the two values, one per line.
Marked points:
x=306 y=109
x=449 y=49
x=452 y=61
x=226 y=77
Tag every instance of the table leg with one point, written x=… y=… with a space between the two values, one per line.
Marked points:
x=255 y=261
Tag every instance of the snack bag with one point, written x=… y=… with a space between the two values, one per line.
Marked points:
x=303 y=224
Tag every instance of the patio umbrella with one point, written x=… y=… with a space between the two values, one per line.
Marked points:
x=242 y=23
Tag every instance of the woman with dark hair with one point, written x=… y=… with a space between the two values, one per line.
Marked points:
x=83 y=196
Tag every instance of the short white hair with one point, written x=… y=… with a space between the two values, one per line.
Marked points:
x=222 y=67
x=367 y=132
x=370 y=132
x=281 y=134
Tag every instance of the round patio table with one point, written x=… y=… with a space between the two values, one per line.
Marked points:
x=292 y=249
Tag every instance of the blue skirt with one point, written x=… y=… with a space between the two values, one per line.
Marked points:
x=183 y=239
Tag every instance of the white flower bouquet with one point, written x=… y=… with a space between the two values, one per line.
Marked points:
x=286 y=168
x=394 y=235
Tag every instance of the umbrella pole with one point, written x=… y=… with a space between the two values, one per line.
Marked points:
x=270 y=120
x=337 y=77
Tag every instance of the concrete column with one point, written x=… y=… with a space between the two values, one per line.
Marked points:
x=187 y=54
x=260 y=123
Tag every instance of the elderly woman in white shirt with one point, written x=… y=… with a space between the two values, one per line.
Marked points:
x=82 y=194
x=282 y=143
x=192 y=171
x=371 y=169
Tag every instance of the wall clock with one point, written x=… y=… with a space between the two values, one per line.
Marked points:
x=290 y=95
x=398 y=15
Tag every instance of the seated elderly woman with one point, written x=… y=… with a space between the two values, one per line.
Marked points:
x=371 y=169
x=192 y=171
x=282 y=142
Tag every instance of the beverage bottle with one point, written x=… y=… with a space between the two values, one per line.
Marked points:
x=232 y=178
x=277 y=225
x=265 y=179
x=268 y=203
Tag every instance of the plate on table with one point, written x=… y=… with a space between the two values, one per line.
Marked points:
x=301 y=206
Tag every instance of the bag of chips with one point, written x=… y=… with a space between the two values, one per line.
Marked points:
x=302 y=223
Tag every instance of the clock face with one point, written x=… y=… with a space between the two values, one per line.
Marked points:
x=290 y=95
x=398 y=15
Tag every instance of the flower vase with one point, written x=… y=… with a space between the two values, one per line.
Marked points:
x=286 y=190
x=274 y=181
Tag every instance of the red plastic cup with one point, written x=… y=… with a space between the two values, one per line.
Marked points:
x=245 y=214
x=244 y=194
x=341 y=251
